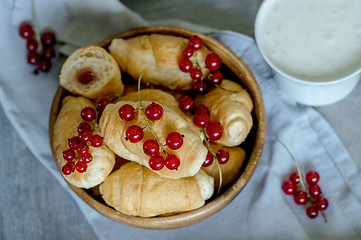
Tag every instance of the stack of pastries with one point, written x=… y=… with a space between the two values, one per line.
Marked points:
x=120 y=169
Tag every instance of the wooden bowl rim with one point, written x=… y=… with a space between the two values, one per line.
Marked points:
x=236 y=65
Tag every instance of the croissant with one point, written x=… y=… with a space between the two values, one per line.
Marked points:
x=91 y=72
x=157 y=56
x=231 y=107
x=65 y=127
x=191 y=154
x=135 y=190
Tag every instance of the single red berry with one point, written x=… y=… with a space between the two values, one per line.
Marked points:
x=209 y=160
x=195 y=43
x=26 y=31
x=196 y=74
x=102 y=103
x=156 y=162
x=222 y=156
x=314 y=190
x=82 y=148
x=84 y=126
x=67 y=169
x=213 y=61
x=84 y=136
x=295 y=178
x=85 y=76
x=48 y=53
x=186 y=104
x=48 y=39
x=33 y=58
x=321 y=203
x=134 y=133
x=73 y=142
x=214 y=131
x=32 y=45
x=88 y=114
x=69 y=154
x=215 y=77
x=289 y=187
x=151 y=147
x=312 y=177
x=154 y=111
x=188 y=52
x=200 y=87
x=81 y=166
x=87 y=157
x=300 y=197
x=126 y=112
x=201 y=108
x=96 y=141
x=185 y=65
x=44 y=65
x=312 y=212
x=174 y=140
x=172 y=162
x=201 y=119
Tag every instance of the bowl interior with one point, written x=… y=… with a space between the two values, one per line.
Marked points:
x=234 y=69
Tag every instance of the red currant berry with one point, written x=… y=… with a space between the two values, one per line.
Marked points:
x=188 y=52
x=134 y=133
x=200 y=119
x=96 y=141
x=295 y=178
x=300 y=197
x=85 y=76
x=200 y=86
x=44 y=65
x=26 y=31
x=215 y=77
x=289 y=188
x=312 y=212
x=201 y=108
x=88 y=114
x=222 y=156
x=196 y=74
x=312 y=177
x=151 y=147
x=32 y=45
x=84 y=136
x=213 y=61
x=33 y=58
x=73 y=143
x=195 y=43
x=82 y=148
x=172 y=162
x=314 y=190
x=67 y=169
x=321 y=203
x=154 y=111
x=185 y=65
x=87 y=157
x=174 y=140
x=186 y=104
x=84 y=126
x=214 y=131
x=127 y=112
x=48 y=39
x=156 y=162
x=102 y=103
x=81 y=166
x=69 y=154
x=48 y=53
x=209 y=160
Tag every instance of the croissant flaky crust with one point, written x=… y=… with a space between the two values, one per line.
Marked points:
x=96 y=68
x=135 y=190
x=231 y=107
x=65 y=127
x=157 y=56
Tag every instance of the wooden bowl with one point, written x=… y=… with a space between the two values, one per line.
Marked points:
x=238 y=71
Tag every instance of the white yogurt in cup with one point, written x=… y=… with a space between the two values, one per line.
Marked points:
x=313 y=46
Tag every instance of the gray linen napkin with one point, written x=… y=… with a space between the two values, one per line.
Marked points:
x=261 y=210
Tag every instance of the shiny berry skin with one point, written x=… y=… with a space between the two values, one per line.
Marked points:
x=172 y=162
x=214 y=131
x=312 y=212
x=215 y=77
x=85 y=76
x=44 y=65
x=300 y=197
x=88 y=114
x=96 y=141
x=84 y=126
x=151 y=147
x=188 y=52
x=321 y=203
x=81 y=166
x=222 y=156
x=87 y=157
x=295 y=178
x=195 y=42
x=33 y=58
x=102 y=103
x=196 y=74
x=67 y=169
x=84 y=136
x=48 y=39
x=126 y=112
x=209 y=160
x=174 y=140
x=32 y=45
x=134 y=133
x=312 y=177
x=289 y=187
x=82 y=148
x=48 y=53
x=199 y=87
x=213 y=61
x=185 y=65
x=26 y=31
x=186 y=104
x=156 y=162
x=201 y=119
x=154 y=111
x=73 y=143
x=200 y=108
x=69 y=154
x=314 y=191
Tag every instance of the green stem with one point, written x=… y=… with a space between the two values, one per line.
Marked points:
x=227 y=90
x=37 y=33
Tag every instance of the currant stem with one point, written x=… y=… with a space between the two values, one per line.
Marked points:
x=37 y=33
x=227 y=90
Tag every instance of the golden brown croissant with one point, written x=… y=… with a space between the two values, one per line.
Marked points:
x=91 y=72
x=135 y=190
x=191 y=154
x=65 y=127
x=157 y=56
x=232 y=110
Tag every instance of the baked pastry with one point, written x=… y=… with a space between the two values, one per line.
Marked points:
x=231 y=169
x=191 y=154
x=65 y=127
x=135 y=190
x=231 y=107
x=91 y=72
x=157 y=56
